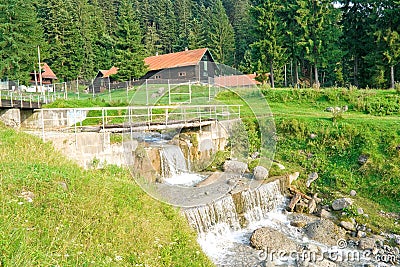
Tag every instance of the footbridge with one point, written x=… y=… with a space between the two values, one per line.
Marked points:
x=128 y=119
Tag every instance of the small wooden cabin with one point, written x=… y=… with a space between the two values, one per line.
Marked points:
x=103 y=80
x=189 y=65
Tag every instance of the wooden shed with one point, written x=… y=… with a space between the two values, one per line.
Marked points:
x=189 y=65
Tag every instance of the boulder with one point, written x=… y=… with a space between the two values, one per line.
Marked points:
x=260 y=173
x=268 y=238
x=234 y=166
x=311 y=178
x=360 y=211
x=326 y=214
x=367 y=243
x=361 y=234
x=347 y=225
x=325 y=232
x=353 y=193
x=341 y=203
x=362 y=159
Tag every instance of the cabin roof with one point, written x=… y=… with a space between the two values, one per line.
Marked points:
x=174 y=60
x=108 y=73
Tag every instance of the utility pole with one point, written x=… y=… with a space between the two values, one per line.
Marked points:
x=40 y=71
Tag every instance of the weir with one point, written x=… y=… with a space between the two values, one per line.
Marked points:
x=236 y=210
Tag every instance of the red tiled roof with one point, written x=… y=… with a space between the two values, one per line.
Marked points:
x=236 y=80
x=47 y=73
x=173 y=60
x=108 y=73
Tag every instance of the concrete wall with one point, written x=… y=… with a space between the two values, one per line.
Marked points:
x=52 y=119
x=11 y=117
x=92 y=150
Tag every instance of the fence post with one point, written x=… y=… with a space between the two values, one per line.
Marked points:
x=127 y=92
x=77 y=87
x=42 y=119
x=190 y=92
x=93 y=87
x=109 y=88
x=169 y=93
x=147 y=94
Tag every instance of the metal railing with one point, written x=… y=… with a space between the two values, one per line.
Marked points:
x=132 y=118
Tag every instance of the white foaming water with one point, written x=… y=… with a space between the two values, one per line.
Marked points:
x=185 y=179
x=173 y=161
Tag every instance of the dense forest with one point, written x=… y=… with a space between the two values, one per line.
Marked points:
x=309 y=42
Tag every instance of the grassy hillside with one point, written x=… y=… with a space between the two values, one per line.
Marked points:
x=82 y=218
x=370 y=127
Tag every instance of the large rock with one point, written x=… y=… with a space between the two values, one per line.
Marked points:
x=348 y=225
x=260 y=173
x=341 y=203
x=367 y=243
x=268 y=238
x=325 y=232
x=234 y=166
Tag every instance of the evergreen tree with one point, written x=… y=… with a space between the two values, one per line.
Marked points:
x=268 y=49
x=64 y=38
x=129 y=49
x=184 y=16
x=357 y=22
x=319 y=23
x=197 y=35
x=220 y=35
x=20 y=35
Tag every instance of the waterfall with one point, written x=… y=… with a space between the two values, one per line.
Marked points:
x=207 y=217
x=174 y=167
x=256 y=203
x=173 y=161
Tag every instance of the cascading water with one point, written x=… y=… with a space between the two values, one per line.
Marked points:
x=174 y=167
x=257 y=203
x=222 y=211
x=173 y=160
x=218 y=223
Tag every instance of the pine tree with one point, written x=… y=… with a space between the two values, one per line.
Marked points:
x=320 y=33
x=20 y=35
x=129 y=49
x=184 y=16
x=220 y=35
x=268 y=48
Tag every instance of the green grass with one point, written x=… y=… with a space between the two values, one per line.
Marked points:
x=334 y=153
x=102 y=219
x=371 y=127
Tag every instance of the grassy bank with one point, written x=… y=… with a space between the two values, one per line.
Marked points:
x=370 y=127
x=82 y=218
x=311 y=139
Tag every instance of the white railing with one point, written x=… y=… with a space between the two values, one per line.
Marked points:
x=132 y=118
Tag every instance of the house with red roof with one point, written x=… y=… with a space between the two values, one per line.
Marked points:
x=47 y=75
x=188 y=65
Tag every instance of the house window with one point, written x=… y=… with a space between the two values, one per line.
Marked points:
x=157 y=77
x=182 y=74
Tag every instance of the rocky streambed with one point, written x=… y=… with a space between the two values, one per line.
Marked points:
x=295 y=230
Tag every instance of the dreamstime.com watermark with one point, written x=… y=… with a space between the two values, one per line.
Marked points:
x=343 y=252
